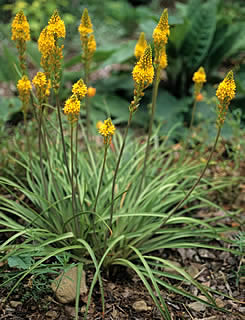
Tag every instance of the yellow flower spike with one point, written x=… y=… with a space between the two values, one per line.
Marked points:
x=199 y=79
x=91 y=46
x=85 y=26
x=39 y=81
x=91 y=92
x=56 y=26
x=199 y=76
x=79 y=89
x=20 y=27
x=143 y=72
x=140 y=46
x=163 y=59
x=24 y=88
x=162 y=32
x=225 y=93
x=72 y=108
x=227 y=89
x=42 y=86
x=46 y=42
x=107 y=130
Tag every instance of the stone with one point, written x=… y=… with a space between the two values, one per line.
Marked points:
x=140 y=306
x=64 y=285
x=198 y=306
x=51 y=315
x=15 y=304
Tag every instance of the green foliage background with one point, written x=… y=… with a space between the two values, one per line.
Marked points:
x=208 y=33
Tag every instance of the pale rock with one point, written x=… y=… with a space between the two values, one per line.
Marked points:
x=64 y=285
x=15 y=304
x=140 y=306
x=51 y=315
x=220 y=303
x=198 y=306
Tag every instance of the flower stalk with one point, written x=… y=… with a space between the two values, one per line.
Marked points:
x=88 y=48
x=225 y=93
x=143 y=74
x=21 y=34
x=160 y=37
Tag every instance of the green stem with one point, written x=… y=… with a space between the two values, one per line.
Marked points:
x=117 y=167
x=193 y=115
x=101 y=177
x=153 y=109
x=196 y=183
x=28 y=143
x=190 y=131
x=87 y=107
x=62 y=137
x=72 y=183
x=45 y=143
x=76 y=165
x=40 y=151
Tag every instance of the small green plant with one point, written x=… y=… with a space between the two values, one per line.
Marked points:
x=104 y=206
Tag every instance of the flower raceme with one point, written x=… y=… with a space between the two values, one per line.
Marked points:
x=91 y=46
x=24 y=88
x=199 y=78
x=107 y=130
x=20 y=27
x=140 y=46
x=143 y=72
x=161 y=32
x=46 y=42
x=56 y=26
x=163 y=59
x=225 y=93
x=72 y=106
x=85 y=26
x=42 y=86
x=227 y=89
x=79 y=89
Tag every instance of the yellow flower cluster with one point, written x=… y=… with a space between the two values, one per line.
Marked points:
x=227 y=89
x=56 y=26
x=163 y=59
x=91 y=46
x=79 y=89
x=85 y=26
x=20 y=27
x=42 y=86
x=88 y=41
x=107 y=130
x=143 y=72
x=48 y=46
x=24 y=88
x=162 y=32
x=199 y=76
x=46 y=42
x=140 y=46
x=72 y=106
x=225 y=93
